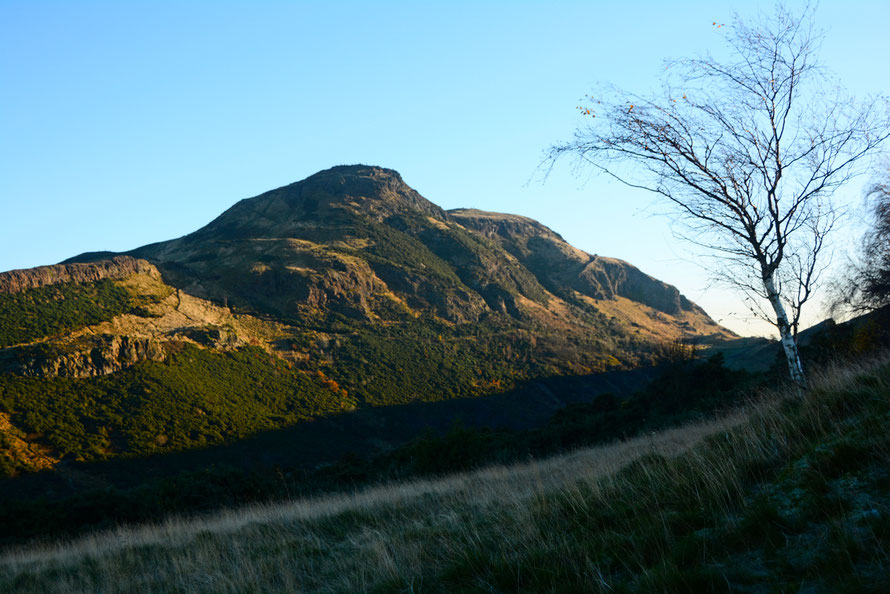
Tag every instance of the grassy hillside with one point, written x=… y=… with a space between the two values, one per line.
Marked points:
x=200 y=396
x=46 y=311
x=75 y=497
x=342 y=292
x=214 y=377
x=195 y=398
x=790 y=493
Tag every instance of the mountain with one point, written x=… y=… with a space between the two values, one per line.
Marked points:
x=340 y=292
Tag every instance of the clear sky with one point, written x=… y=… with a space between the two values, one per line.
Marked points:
x=125 y=123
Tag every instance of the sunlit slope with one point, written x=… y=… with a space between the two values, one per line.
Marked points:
x=357 y=242
x=345 y=290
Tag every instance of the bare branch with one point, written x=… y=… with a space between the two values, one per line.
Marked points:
x=749 y=151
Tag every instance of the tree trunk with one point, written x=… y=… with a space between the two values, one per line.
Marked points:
x=787 y=338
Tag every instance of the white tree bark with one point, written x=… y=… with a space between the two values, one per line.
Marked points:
x=749 y=151
x=785 y=334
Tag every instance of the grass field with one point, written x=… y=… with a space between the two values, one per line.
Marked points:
x=788 y=492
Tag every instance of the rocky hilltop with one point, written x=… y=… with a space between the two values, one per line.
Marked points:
x=355 y=245
x=357 y=241
x=342 y=291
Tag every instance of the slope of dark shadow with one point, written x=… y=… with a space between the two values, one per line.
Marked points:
x=363 y=433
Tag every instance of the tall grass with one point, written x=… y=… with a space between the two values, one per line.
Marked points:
x=785 y=492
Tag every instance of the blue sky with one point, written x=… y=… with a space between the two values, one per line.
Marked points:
x=125 y=123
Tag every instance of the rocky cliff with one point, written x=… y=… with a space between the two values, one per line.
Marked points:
x=563 y=268
x=98 y=355
x=342 y=291
x=116 y=267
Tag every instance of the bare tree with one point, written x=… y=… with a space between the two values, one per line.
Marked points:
x=749 y=150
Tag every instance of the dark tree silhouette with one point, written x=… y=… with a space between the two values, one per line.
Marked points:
x=876 y=274
x=866 y=284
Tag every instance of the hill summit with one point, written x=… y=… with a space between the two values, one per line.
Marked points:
x=341 y=292
x=329 y=197
x=359 y=242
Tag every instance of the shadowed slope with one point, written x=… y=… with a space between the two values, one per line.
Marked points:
x=789 y=493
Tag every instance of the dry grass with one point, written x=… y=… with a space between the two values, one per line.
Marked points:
x=653 y=513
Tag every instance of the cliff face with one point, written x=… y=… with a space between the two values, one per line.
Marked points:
x=117 y=267
x=103 y=317
x=99 y=355
x=563 y=268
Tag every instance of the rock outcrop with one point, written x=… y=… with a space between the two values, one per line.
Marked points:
x=117 y=267
x=562 y=267
x=89 y=357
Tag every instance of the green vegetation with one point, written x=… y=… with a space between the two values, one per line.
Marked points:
x=790 y=493
x=198 y=398
x=390 y=245
x=683 y=392
x=54 y=309
x=195 y=398
x=427 y=359
x=477 y=260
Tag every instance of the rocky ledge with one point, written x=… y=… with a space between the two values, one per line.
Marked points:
x=97 y=355
x=15 y=281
